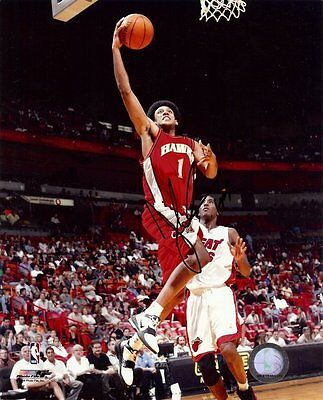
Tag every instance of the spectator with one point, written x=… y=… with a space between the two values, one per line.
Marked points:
x=4 y=302
x=280 y=302
x=74 y=321
x=287 y=291
x=62 y=375
x=13 y=217
x=6 y=326
x=146 y=362
x=24 y=267
x=252 y=318
x=32 y=332
x=35 y=291
x=180 y=347
x=43 y=304
x=107 y=374
x=249 y=297
x=42 y=385
x=262 y=297
x=319 y=337
x=6 y=365
x=291 y=316
x=22 y=285
x=89 y=291
x=79 y=365
x=20 y=343
x=260 y=338
x=306 y=336
x=55 y=225
x=87 y=318
x=59 y=349
x=276 y=339
x=42 y=344
x=65 y=298
x=41 y=326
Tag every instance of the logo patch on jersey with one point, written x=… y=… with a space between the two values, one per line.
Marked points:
x=196 y=343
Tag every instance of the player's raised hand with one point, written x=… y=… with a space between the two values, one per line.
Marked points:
x=116 y=42
x=238 y=249
x=207 y=154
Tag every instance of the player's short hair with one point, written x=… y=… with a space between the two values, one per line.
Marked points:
x=152 y=109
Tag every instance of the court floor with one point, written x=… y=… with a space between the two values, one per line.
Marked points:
x=310 y=388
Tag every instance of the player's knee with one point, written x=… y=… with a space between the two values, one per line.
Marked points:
x=208 y=369
x=229 y=351
x=199 y=259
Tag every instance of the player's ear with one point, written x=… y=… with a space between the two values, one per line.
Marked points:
x=176 y=122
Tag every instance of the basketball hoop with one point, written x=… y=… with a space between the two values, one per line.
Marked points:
x=221 y=8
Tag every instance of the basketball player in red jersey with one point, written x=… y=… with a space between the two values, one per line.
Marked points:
x=168 y=162
x=213 y=322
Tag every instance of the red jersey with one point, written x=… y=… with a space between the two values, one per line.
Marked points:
x=168 y=172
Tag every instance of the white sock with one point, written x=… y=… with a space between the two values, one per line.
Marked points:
x=134 y=342
x=154 y=309
x=243 y=386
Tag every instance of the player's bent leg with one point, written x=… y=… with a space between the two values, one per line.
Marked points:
x=211 y=377
x=170 y=306
x=183 y=273
x=235 y=364
x=146 y=323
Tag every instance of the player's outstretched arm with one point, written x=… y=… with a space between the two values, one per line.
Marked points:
x=206 y=160
x=143 y=125
x=238 y=250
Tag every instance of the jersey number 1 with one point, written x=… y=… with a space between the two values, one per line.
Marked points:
x=180 y=167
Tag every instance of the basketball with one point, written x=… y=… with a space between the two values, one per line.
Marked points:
x=137 y=31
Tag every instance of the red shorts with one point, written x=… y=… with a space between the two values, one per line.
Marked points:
x=171 y=250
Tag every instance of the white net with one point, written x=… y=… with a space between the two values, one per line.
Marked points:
x=222 y=8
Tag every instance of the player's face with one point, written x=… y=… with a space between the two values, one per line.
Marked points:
x=208 y=209
x=165 y=117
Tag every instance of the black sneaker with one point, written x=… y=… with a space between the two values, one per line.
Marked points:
x=247 y=394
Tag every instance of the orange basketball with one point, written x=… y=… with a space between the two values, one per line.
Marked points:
x=137 y=31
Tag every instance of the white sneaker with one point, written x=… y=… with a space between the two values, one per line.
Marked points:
x=127 y=360
x=145 y=325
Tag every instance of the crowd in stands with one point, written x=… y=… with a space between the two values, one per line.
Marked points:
x=74 y=297
x=67 y=122
x=297 y=216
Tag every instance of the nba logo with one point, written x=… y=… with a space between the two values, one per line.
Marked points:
x=34 y=353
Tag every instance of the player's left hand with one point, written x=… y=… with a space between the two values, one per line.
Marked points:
x=238 y=249
x=207 y=154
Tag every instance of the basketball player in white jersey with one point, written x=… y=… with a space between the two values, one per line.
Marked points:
x=213 y=322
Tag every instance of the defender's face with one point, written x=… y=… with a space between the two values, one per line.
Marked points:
x=208 y=208
x=165 y=117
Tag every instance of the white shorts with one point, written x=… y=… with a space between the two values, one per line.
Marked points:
x=212 y=319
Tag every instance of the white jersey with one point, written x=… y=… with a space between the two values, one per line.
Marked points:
x=219 y=271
